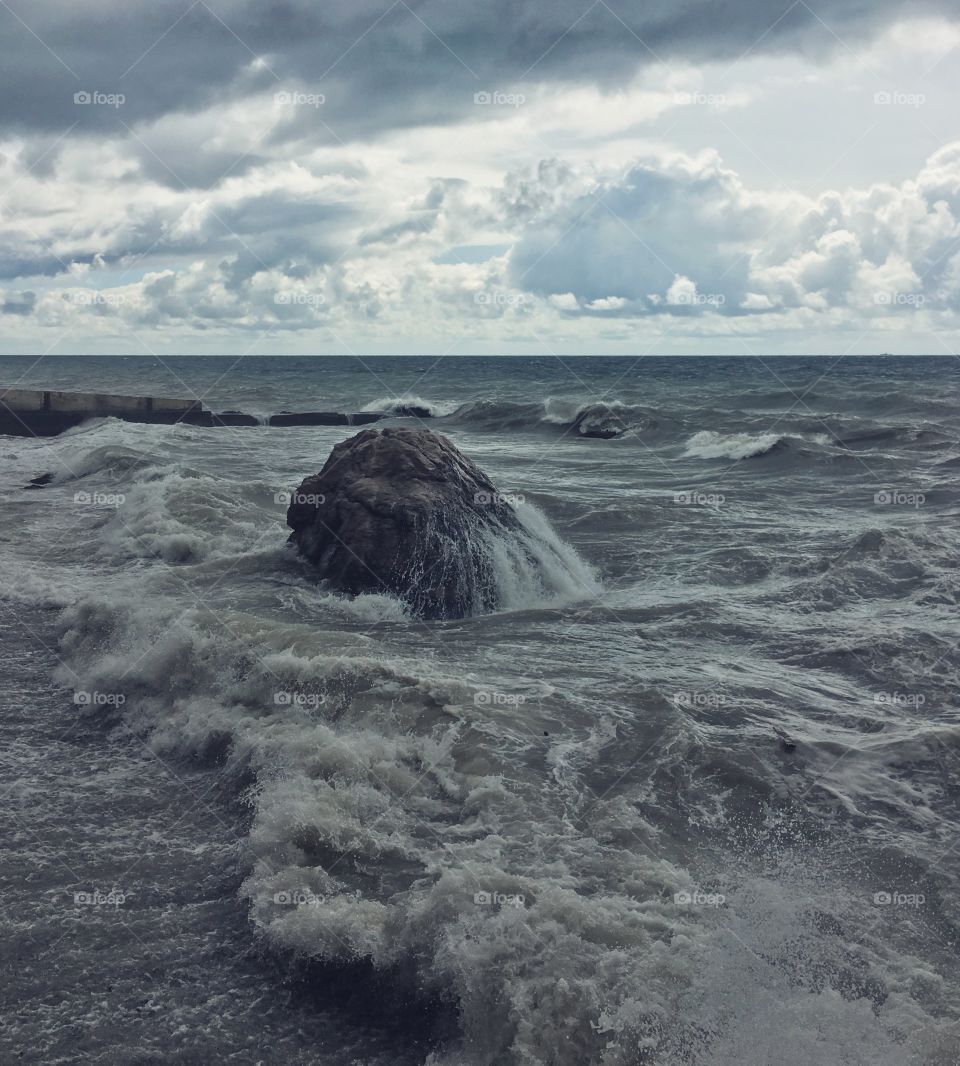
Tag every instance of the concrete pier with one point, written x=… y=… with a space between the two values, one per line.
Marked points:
x=43 y=413
x=46 y=412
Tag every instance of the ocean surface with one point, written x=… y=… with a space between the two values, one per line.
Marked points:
x=692 y=799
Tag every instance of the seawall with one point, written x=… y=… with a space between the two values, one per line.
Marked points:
x=46 y=412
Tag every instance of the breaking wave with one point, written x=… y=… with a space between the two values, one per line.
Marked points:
x=708 y=444
x=400 y=405
x=426 y=823
x=536 y=568
x=595 y=418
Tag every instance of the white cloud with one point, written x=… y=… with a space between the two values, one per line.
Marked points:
x=671 y=235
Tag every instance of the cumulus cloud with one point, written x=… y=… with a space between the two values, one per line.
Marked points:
x=635 y=235
x=672 y=236
x=680 y=235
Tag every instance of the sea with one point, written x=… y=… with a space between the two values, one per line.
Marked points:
x=689 y=797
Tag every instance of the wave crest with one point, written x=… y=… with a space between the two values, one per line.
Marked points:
x=398 y=405
x=708 y=444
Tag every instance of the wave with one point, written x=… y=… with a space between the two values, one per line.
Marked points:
x=402 y=406
x=927 y=436
x=596 y=418
x=537 y=568
x=879 y=563
x=393 y=823
x=499 y=414
x=181 y=516
x=113 y=460
x=387 y=824
x=708 y=444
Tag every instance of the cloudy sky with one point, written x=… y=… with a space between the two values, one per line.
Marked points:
x=371 y=176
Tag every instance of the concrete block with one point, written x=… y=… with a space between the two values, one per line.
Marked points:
x=22 y=399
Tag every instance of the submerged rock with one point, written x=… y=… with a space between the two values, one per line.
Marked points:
x=411 y=410
x=600 y=420
x=402 y=511
x=605 y=432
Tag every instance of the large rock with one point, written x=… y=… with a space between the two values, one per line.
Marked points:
x=402 y=511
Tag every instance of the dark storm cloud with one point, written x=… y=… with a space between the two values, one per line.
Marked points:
x=379 y=65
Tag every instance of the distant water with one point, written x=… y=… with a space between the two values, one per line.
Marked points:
x=697 y=805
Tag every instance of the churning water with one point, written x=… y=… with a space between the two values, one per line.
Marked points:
x=690 y=797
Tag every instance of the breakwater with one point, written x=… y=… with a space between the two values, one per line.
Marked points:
x=46 y=412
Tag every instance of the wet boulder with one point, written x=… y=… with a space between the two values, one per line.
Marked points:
x=402 y=511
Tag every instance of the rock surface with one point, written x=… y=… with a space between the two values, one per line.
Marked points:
x=402 y=511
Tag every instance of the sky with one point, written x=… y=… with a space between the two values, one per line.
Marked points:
x=436 y=176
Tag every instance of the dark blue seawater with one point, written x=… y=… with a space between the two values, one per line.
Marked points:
x=690 y=797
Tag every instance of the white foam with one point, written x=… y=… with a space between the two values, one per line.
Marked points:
x=708 y=444
x=368 y=607
x=537 y=568
x=180 y=516
x=392 y=817
x=754 y=990
x=561 y=410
